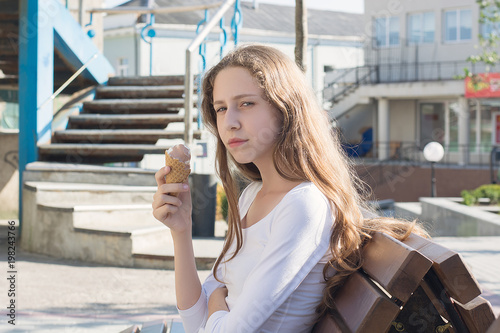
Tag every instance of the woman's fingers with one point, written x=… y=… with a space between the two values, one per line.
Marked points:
x=160 y=175
x=173 y=188
x=161 y=213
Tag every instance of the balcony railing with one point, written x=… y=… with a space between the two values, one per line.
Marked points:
x=411 y=152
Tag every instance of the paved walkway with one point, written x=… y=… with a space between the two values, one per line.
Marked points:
x=54 y=295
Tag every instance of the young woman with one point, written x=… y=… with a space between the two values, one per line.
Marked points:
x=295 y=232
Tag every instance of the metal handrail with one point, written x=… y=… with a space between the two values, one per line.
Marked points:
x=68 y=81
x=353 y=86
x=345 y=72
x=189 y=78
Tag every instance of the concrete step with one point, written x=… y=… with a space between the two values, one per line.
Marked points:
x=124 y=121
x=167 y=80
x=134 y=106
x=70 y=194
x=90 y=174
x=104 y=224
x=161 y=256
x=122 y=136
x=96 y=153
x=105 y=92
x=100 y=233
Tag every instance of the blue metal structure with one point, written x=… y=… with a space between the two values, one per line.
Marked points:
x=151 y=32
x=45 y=24
x=237 y=21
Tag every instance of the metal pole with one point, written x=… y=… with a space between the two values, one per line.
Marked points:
x=433 y=180
x=189 y=80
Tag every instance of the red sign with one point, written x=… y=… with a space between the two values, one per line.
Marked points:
x=482 y=85
x=496 y=128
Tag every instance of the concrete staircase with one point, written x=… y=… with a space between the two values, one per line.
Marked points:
x=123 y=123
x=100 y=214
x=9 y=54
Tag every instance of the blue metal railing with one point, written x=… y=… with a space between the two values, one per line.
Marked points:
x=151 y=33
x=236 y=22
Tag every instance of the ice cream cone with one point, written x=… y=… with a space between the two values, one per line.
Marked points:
x=178 y=161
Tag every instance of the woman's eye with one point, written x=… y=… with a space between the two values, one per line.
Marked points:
x=247 y=103
x=220 y=109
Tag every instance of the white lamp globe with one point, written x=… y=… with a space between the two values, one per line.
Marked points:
x=433 y=152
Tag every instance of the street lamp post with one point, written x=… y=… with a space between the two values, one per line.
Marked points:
x=433 y=152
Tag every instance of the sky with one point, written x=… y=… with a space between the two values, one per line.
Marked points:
x=350 y=6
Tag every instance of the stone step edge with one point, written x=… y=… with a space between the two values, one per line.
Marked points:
x=133 y=231
x=53 y=186
x=71 y=167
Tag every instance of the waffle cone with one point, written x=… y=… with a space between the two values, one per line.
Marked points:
x=178 y=171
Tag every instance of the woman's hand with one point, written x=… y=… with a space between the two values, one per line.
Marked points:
x=217 y=301
x=174 y=212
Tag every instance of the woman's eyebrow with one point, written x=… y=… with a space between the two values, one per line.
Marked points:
x=236 y=97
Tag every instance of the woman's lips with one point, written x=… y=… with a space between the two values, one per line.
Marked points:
x=236 y=142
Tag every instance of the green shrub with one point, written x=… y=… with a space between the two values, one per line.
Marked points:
x=489 y=191
x=468 y=197
x=222 y=205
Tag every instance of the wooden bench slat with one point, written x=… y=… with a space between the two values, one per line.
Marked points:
x=397 y=267
x=449 y=267
x=495 y=327
x=157 y=326
x=327 y=325
x=363 y=306
x=131 y=329
x=476 y=314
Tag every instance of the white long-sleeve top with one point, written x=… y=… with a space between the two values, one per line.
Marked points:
x=276 y=280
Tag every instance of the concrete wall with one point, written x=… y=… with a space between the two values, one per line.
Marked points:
x=407 y=182
x=403 y=120
x=9 y=175
x=448 y=218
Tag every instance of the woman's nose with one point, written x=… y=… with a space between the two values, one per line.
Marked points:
x=232 y=118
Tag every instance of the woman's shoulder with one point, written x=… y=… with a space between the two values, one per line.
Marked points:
x=306 y=194
x=306 y=189
x=250 y=191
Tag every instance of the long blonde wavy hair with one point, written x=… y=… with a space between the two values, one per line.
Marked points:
x=306 y=149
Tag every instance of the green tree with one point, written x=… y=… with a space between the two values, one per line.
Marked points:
x=489 y=35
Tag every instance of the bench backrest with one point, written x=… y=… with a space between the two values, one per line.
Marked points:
x=413 y=286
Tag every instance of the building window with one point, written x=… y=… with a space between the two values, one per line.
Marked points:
x=421 y=28
x=122 y=67
x=490 y=27
x=432 y=123
x=457 y=25
x=387 y=31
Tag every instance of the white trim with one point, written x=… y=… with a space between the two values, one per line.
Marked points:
x=459 y=40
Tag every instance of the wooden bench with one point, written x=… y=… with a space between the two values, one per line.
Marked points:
x=415 y=286
x=157 y=326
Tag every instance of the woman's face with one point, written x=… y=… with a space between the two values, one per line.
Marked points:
x=247 y=123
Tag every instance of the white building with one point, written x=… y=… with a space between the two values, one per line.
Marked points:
x=335 y=39
x=408 y=90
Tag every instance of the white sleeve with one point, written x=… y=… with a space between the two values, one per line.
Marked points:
x=195 y=318
x=299 y=238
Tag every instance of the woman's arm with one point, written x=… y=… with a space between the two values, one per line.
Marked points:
x=217 y=301
x=175 y=213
